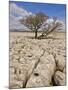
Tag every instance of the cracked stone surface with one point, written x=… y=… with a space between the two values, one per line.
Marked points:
x=59 y=78
x=36 y=62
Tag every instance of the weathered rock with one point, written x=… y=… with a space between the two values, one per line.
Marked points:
x=59 y=78
x=15 y=84
x=42 y=75
x=64 y=70
x=32 y=61
x=60 y=61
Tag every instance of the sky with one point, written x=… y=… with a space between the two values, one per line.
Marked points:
x=51 y=10
x=18 y=10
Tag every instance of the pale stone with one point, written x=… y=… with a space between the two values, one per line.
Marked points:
x=42 y=75
x=59 y=78
x=60 y=61
x=32 y=61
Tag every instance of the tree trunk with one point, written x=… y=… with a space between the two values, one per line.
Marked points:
x=35 y=34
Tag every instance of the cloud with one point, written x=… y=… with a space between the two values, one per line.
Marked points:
x=16 y=13
x=50 y=22
x=15 y=24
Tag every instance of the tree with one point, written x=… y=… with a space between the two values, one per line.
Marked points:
x=34 y=22
x=51 y=27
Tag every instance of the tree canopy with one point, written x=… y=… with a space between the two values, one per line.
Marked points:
x=34 y=23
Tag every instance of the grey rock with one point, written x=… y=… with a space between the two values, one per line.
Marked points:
x=60 y=61
x=64 y=70
x=59 y=78
x=42 y=75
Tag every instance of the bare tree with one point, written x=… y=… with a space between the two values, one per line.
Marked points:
x=51 y=27
x=34 y=22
